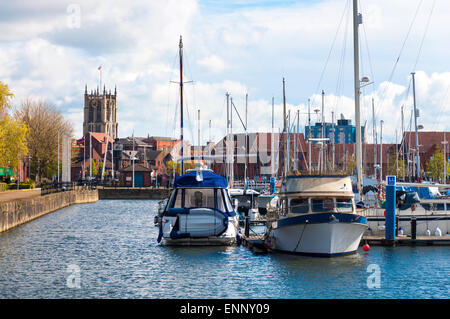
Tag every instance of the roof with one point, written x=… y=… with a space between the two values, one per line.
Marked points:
x=209 y=180
x=137 y=168
x=100 y=137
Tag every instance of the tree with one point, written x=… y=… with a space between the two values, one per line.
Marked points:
x=13 y=133
x=44 y=123
x=395 y=166
x=12 y=142
x=94 y=168
x=6 y=97
x=435 y=166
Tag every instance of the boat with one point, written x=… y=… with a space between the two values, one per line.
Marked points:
x=317 y=217
x=199 y=212
x=246 y=202
x=422 y=202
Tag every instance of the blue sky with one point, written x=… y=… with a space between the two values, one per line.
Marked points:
x=51 y=49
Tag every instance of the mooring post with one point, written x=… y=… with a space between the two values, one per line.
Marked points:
x=272 y=185
x=413 y=228
x=390 y=210
x=247 y=227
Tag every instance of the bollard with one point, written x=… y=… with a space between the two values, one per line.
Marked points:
x=390 y=209
x=413 y=228
x=247 y=227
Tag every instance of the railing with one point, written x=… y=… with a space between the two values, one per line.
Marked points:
x=52 y=188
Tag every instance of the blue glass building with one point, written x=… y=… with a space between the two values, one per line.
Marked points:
x=345 y=132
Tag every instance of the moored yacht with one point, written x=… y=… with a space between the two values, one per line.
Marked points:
x=199 y=212
x=317 y=217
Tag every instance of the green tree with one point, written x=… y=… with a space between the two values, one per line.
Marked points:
x=435 y=166
x=13 y=133
x=396 y=166
x=94 y=168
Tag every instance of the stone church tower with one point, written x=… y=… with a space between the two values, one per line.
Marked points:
x=99 y=110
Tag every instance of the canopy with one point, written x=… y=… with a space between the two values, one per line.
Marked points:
x=209 y=180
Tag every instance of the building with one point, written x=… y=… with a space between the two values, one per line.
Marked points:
x=100 y=109
x=345 y=132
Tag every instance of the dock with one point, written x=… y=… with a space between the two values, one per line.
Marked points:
x=407 y=241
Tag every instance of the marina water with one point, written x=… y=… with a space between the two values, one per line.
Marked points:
x=108 y=249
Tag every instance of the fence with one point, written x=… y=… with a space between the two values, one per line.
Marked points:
x=52 y=188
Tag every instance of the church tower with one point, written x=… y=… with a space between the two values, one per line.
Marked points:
x=99 y=110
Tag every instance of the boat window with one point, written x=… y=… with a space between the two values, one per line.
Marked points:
x=426 y=206
x=199 y=197
x=440 y=206
x=322 y=205
x=344 y=204
x=178 y=202
x=226 y=196
x=299 y=205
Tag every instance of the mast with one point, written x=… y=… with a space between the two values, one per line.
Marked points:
x=322 y=157
x=227 y=146
x=198 y=138
x=309 y=135
x=332 y=141
x=374 y=136
x=272 y=138
x=181 y=103
x=284 y=128
x=356 y=22
x=416 y=115
x=297 y=142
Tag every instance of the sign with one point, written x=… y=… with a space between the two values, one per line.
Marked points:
x=391 y=180
x=130 y=153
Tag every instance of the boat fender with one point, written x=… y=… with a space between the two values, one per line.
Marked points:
x=438 y=232
x=428 y=232
x=400 y=231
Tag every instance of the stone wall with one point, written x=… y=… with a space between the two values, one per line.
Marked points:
x=133 y=193
x=18 y=212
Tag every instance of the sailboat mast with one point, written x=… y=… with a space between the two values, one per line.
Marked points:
x=309 y=135
x=181 y=103
x=284 y=129
x=356 y=22
x=272 y=148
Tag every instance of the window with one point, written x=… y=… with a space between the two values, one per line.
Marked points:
x=299 y=205
x=199 y=197
x=227 y=201
x=344 y=204
x=322 y=205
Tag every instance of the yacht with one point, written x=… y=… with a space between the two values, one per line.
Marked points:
x=317 y=217
x=199 y=211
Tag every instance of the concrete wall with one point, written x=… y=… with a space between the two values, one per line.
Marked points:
x=133 y=193
x=21 y=211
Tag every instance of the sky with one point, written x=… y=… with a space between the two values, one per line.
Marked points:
x=51 y=49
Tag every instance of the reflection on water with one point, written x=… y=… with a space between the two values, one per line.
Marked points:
x=113 y=242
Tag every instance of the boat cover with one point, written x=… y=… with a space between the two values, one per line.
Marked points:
x=210 y=179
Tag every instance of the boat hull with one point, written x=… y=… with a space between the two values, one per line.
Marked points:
x=326 y=239
x=199 y=227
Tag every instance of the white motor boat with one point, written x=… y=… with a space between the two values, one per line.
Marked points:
x=199 y=212
x=246 y=202
x=317 y=217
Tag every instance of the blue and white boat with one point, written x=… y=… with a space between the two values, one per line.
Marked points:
x=199 y=212
x=317 y=217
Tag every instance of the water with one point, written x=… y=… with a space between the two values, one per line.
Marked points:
x=113 y=244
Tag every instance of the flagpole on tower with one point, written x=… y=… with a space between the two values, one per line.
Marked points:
x=100 y=76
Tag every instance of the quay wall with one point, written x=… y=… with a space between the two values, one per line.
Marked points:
x=17 y=212
x=133 y=193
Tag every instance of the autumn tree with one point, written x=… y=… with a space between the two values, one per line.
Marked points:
x=45 y=124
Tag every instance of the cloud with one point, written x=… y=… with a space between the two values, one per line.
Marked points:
x=236 y=47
